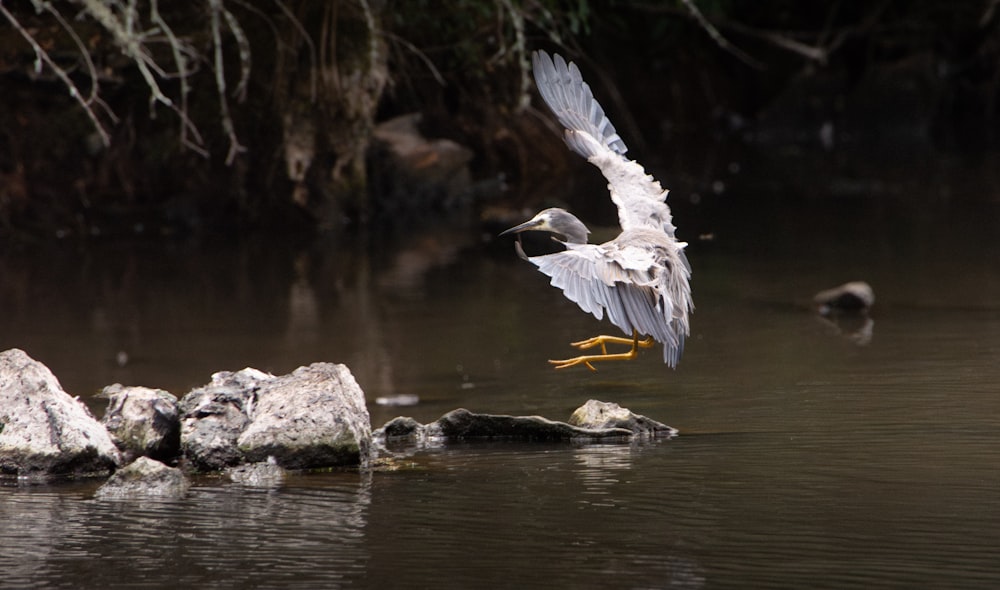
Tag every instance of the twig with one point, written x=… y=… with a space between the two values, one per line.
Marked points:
x=244 y=46
x=420 y=55
x=517 y=21
x=42 y=56
x=235 y=147
x=372 y=35
x=129 y=42
x=718 y=38
x=179 y=58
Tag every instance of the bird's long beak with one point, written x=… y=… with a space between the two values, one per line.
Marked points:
x=527 y=225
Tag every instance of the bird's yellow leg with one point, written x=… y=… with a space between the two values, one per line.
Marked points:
x=602 y=340
x=587 y=359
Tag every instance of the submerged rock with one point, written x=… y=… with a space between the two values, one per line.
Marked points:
x=462 y=424
x=593 y=422
x=265 y=474
x=856 y=296
x=313 y=417
x=44 y=431
x=143 y=422
x=144 y=478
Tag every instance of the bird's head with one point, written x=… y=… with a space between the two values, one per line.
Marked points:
x=557 y=221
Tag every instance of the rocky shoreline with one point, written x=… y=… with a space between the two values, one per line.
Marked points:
x=248 y=424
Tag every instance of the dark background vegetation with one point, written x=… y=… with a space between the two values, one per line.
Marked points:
x=900 y=79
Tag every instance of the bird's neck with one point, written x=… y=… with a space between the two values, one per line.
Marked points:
x=574 y=231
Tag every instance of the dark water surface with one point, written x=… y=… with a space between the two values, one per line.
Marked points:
x=811 y=454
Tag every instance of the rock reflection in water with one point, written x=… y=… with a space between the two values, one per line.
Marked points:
x=227 y=535
x=602 y=469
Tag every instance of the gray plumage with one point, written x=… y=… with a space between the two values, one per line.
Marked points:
x=640 y=278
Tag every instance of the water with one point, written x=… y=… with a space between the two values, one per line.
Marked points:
x=810 y=454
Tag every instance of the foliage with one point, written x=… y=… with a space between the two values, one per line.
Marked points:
x=221 y=88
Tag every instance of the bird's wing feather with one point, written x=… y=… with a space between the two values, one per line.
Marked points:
x=593 y=277
x=640 y=199
x=563 y=89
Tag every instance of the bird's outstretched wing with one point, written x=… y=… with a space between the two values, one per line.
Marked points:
x=639 y=197
x=631 y=285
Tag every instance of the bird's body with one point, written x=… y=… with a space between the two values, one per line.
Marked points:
x=641 y=277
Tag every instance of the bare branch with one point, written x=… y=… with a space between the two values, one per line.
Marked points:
x=517 y=21
x=43 y=57
x=244 y=46
x=197 y=145
x=718 y=38
x=129 y=42
x=420 y=55
x=235 y=147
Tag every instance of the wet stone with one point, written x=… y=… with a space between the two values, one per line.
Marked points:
x=264 y=474
x=401 y=427
x=852 y=297
x=601 y=415
x=144 y=478
x=594 y=422
x=313 y=417
x=143 y=422
x=214 y=416
x=43 y=430
x=462 y=424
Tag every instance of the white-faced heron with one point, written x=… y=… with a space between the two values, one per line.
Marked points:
x=640 y=278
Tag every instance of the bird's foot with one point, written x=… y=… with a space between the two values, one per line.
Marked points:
x=587 y=359
x=603 y=340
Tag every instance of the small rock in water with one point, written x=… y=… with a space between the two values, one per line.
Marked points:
x=265 y=474
x=601 y=415
x=856 y=296
x=144 y=478
x=593 y=422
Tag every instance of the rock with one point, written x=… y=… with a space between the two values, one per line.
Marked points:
x=462 y=424
x=265 y=474
x=143 y=422
x=598 y=415
x=144 y=478
x=313 y=417
x=214 y=416
x=417 y=172
x=401 y=428
x=44 y=431
x=856 y=296
x=595 y=421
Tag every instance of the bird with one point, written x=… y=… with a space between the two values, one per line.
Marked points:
x=641 y=278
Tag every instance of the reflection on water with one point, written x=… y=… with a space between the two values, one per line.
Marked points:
x=810 y=454
x=226 y=536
